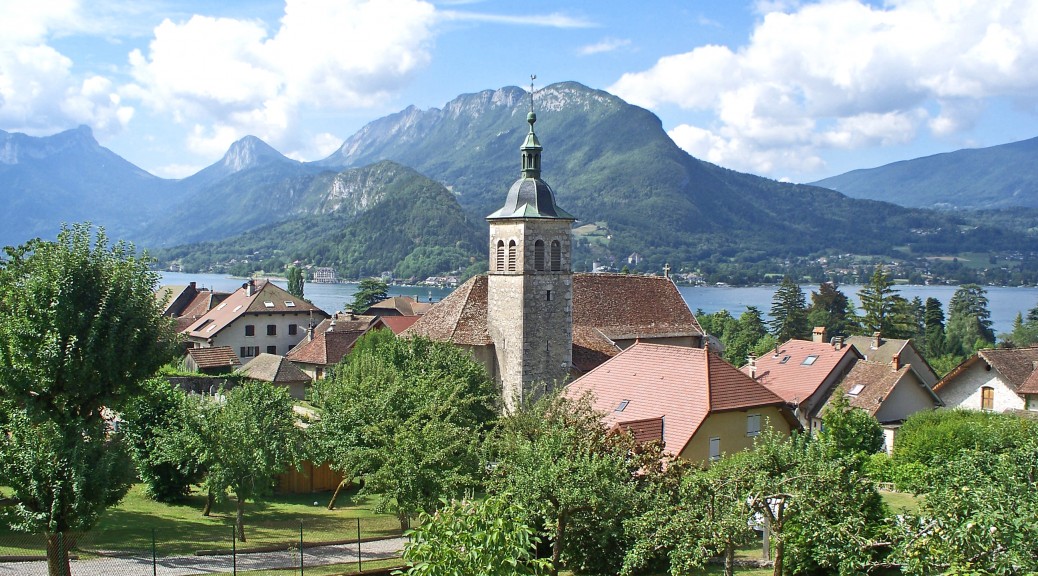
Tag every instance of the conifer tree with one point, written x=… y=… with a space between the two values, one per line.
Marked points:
x=933 y=332
x=789 y=312
x=969 y=320
x=830 y=308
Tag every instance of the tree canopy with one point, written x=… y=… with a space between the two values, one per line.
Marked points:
x=969 y=321
x=789 y=312
x=369 y=291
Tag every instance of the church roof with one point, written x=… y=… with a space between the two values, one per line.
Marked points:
x=529 y=196
x=606 y=307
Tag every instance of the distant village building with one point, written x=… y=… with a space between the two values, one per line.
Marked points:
x=260 y=317
x=324 y=275
x=530 y=320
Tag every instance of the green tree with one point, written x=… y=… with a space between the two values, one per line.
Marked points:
x=933 y=328
x=830 y=308
x=885 y=311
x=295 y=281
x=789 y=312
x=969 y=320
x=850 y=431
x=489 y=537
x=370 y=291
x=79 y=328
x=244 y=439
x=410 y=416
x=744 y=336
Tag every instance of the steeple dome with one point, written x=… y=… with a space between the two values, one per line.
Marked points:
x=529 y=196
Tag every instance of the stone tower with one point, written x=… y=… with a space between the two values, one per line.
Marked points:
x=530 y=282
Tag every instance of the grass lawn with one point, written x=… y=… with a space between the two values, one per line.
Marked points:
x=181 y=529
x=899 y=502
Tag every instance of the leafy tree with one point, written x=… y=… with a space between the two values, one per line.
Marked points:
x=244 y=441
x=295 y=281
x=556 y=458
x=410 y=416
x=79 y=327
x=744 y=336
x=830 y=308
x=933 y=328
x=154 y=429
x=850 y=431
x=969 y=320
x=789 y=312
x=370 y=291
x=475 y=538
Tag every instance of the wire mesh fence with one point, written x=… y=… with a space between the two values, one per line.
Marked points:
x=287 y=547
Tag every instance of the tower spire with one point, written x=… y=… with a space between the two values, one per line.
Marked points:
x=531 y=149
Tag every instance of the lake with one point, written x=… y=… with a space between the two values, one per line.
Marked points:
x=1004 y=303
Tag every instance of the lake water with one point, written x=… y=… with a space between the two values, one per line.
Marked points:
x=1004 y=303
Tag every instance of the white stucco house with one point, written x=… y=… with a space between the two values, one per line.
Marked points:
x=996 y=380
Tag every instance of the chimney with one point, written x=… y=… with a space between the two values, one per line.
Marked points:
x=249 y=287
x=837 y=342
x=310 y=332
x=751 y=361
x=877 y=340
x=818 y=334
x=897 y=362
x=193 y=289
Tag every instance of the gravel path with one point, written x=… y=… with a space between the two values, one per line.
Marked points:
x=187 y=565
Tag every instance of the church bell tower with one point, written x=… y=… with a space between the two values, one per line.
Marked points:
x=530 y=282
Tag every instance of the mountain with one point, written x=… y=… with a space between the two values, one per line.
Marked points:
x=381 y=217
x=69 y=177
x=1002 y=176
x=633 y=189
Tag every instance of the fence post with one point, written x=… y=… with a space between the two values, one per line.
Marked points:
x=300 y=548
x=360 y=564
x=234 y=552
x=154 y=556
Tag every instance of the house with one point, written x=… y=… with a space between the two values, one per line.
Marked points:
x=215 y=360
x=331 y=340
x=533 y=322
x=188 y=303
x=998 y=380
x=699 y=405
x=398 y=323
x=804 y=374
x=399 y=306
x=324 y=275
x=258 y=317
x=887 y=351
x=889 y=392
x=279 y=371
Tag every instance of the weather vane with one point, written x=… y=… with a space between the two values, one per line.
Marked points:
x=532 y=78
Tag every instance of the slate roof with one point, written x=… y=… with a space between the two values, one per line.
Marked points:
x=333 y=339
x=783 y=371
x=214 y=358
x=678 y=384
x=606 y=307
x=1015 y=365
x=273 y=368
x=240 y=302
x=877 y=381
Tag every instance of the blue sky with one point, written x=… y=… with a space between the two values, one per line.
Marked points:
x=793 y=90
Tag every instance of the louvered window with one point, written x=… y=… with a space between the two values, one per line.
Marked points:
x=556 y=256
x=538 y=255
x=500 y=256
x=511 y=256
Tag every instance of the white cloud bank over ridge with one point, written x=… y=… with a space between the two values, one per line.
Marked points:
x=845 y=75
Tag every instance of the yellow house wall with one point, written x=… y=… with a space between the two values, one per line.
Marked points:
x=730 y=427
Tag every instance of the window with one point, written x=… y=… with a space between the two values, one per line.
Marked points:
x=715 y=448
x=987 y=398
x=250 y=330
x=272 y=349
x=293 y=329
x=290 y=304
x=856 y=389
x=500 y=256
x=272 y=329
x=249 y=351
x=753 y=424
x=809 y=360
x=268 y=304
x=549 y=295
x=538 y=255
x=784 y=360
x=556 y=256
x=511 y=255
x=623 y=404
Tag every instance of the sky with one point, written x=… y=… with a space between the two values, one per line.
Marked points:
x=791 y=90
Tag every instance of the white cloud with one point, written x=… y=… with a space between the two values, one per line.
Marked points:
x=845 y=74
x=231 y=77
x=553 y=20
x=606 y=45
x=39 y=92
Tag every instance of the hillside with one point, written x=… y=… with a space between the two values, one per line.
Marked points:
x=69 y=177
x=1002 y=176
x=373 y=219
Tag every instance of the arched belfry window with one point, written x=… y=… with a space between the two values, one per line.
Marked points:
x=556 y=256
x=511 y=255
x=500 y=267
x=538 y=255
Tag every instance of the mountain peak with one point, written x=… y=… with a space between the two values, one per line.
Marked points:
x=248 y=152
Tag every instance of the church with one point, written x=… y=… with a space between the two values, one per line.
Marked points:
x=534 y=323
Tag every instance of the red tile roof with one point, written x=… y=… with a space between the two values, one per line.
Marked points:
x=1016 y=366
x=273 y=368
x=644 y=431
x=265 y=298
x=402 y=305
x=1030 y=386
x=785 y=373
x=333 y=339
x=678 y=384
x=606 y=307
x=876 y=381
x=399 y=323
x=215 y=357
